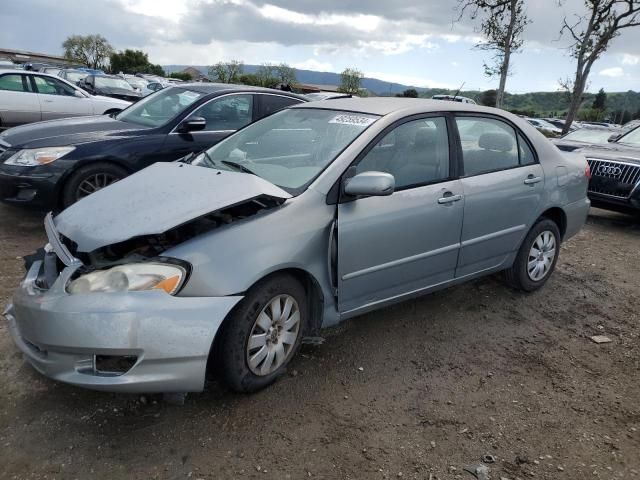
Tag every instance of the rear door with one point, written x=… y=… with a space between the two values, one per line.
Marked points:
x=18 y=102
x=503 y=185
x=268 y=103
x=224 y=115
x=58 y=100
x=409 y=241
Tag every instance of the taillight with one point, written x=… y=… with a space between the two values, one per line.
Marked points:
x=587 y=172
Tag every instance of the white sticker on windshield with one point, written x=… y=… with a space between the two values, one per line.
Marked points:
x=348 y=119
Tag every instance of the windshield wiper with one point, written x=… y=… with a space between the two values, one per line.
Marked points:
x=240 y=167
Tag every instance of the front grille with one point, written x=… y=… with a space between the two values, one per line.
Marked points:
x=616 y=179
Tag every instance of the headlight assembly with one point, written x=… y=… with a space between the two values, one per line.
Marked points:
x=130 y=278
x=32 y=157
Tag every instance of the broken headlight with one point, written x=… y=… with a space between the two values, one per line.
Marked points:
x=32 y=157
x=132 y=277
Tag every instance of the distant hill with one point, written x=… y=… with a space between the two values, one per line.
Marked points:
x=536 y=103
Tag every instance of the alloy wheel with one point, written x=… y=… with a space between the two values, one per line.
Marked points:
x=541 y=256
x=93 y=183
x=273 y=336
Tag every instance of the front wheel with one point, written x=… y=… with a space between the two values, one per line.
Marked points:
x=536 y=258
x=87 y=180
x=263 y=333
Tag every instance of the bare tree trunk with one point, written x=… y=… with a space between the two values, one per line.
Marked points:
x=504 y=68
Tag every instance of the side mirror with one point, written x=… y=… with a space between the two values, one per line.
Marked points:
x=193 y=124
x=370 y=184
x=78 y=93
x=614 y=138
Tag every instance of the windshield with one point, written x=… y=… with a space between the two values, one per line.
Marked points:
x=136 y=82
x=631 y=138
x=589 y=135
x=159 y=108
x=289 y=148
x=75 y=76
x=110 y=82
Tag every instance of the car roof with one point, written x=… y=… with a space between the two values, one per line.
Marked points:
x=219 y=87
x=388 y=105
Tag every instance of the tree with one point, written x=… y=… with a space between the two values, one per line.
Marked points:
x=351 y=78
x=488 y=98
x=89 y=50
x=266 y=75
x=182 y=76
x=591 y=35
x=250 y=79
x=227 y=72
x=599 y=103
x=286 y=74
x=409 y=92
x=502 y=24
x=133 y=61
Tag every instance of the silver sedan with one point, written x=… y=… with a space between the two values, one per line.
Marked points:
x=313 y=215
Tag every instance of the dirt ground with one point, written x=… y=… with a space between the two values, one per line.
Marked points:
x=420 y=390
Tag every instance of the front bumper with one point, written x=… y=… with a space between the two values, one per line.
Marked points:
x=62 y=334
x=630 y=205
x=28 y=186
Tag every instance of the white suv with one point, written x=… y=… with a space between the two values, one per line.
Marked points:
x=27 y=97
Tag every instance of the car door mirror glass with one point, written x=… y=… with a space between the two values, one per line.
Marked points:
x=371 y=184
x=193 y=124
x=614 y=138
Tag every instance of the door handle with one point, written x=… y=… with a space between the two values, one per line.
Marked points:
x=449 y=197
x=531 y=180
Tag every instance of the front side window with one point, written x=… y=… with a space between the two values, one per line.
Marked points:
x=230 y=112
x=415 y=153
x=159 y=109
x=289 y=148
x=14 y=83
x=487 y=145
x=51 y=86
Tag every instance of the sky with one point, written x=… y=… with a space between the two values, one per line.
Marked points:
x=414 y=42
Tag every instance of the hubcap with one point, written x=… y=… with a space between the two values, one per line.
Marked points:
x=94 y=183
x=273 y=335
x=541 y=256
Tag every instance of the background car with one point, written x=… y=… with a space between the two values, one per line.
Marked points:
x=454 y=98
x=54 y=164
x=314 y=96
x=27 y=96
x=7 y=65
x=139 y=84
x=72 y=75
x=110 y=86
x=586 y=136
x=615 y=173
x=544 y=126
x=50 y=70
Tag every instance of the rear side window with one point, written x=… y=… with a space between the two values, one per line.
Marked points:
x=488 y=145
x=272 y=103
x=14 y=83
x=415 y=153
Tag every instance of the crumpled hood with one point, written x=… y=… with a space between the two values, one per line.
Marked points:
x=67 y=131
x=154 y=200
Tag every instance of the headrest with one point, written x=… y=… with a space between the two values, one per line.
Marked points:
x=501 y=142
x=425 y=137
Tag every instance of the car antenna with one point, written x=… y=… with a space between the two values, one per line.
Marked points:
x=456 y=95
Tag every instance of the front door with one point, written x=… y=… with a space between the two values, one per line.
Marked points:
x=58 y=100
x=392 y=246
x=502 y=186
x=224 y=115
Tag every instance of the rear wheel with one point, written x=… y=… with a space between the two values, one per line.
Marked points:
x=90 y=179
x=536 y=258
x=263 y=333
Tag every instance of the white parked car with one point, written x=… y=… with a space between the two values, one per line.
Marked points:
x=27 y=97
x=454 y=98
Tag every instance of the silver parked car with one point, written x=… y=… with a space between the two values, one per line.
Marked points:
x=27 y=96
x=313 y=215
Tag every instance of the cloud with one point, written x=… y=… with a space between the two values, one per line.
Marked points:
x=630 y=59
x=612 y=72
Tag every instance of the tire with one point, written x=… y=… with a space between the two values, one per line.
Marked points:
x=520 y=276
x=101 y=174
x=244 y=365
